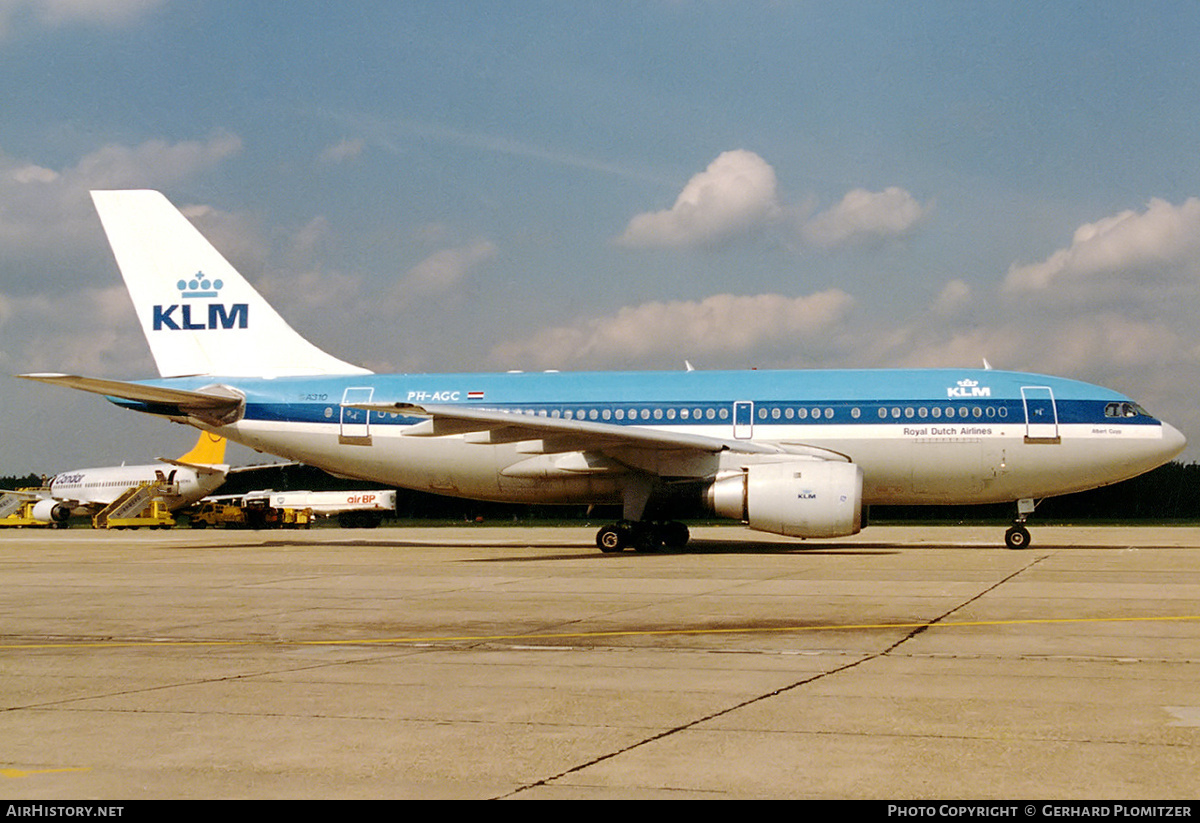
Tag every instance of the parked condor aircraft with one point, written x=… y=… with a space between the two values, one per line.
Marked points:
x=797 y=453
x=87 y=491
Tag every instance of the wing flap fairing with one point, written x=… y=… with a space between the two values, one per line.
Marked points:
x=562 y=434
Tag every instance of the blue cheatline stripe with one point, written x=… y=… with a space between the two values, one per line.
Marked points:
x=692 y=398
x=840 y=413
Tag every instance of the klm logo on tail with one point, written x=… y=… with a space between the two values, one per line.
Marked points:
x=213 y=316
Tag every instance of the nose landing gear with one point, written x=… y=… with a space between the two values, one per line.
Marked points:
x=1017 y=536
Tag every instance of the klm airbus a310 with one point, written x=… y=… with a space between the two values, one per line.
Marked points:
x=798 y=453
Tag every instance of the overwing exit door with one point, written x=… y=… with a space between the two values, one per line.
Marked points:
x=743 y=419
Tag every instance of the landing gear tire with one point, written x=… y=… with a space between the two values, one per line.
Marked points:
x=1017 y=537
x=642 y=536
x=646 y=538
x=675 y=535
x=613 y=538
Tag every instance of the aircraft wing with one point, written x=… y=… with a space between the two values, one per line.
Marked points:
x=12 y=499
x=560 y=435
x=24 y=495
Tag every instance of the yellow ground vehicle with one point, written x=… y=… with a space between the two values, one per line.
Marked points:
x=253 y=514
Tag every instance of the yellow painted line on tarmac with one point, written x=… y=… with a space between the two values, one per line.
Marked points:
x=483 y=638
x=15 y=773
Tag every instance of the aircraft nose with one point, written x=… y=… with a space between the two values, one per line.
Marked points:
x=1173 y=441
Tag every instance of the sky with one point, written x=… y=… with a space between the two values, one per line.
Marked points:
x=477 y=186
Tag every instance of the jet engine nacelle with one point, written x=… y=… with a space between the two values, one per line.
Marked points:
x=802 y=498
x=50 y=511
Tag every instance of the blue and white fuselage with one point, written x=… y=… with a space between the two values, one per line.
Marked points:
x=797 y=453
x=920 y=436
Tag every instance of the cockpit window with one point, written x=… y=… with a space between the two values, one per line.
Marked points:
x=1125 y=410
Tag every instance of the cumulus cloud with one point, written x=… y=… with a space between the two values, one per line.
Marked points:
x=955 y=296
x=42 y=208
x=309 y=298
x=1110 y=348
x=87 y=331
x=733 y=196
x=55 y=13
x=343 y=150
x=62 y=304
x=865 y=218
x=355 y=316
x=154 y=162
x=236 y=235
x=309 y=294
x=1119 y=254
x=720 y=326
x=445 y=269
x=737 y=195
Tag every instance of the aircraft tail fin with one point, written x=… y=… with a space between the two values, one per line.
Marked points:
x=199 y=315
x=209 y=450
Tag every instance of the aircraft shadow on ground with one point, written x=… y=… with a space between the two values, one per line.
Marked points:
x=577 y=550
x=695 y=548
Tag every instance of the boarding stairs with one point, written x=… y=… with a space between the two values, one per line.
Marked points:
x=141 y=505
x=11 y=503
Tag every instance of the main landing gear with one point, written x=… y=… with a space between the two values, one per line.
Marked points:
x=642 y=536
x=634 y=532
x=1017 y=536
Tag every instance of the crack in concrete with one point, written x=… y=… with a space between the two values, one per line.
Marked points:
x=775 y=692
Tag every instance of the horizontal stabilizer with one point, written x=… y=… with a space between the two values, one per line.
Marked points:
x=213 y=407
x=198 y=468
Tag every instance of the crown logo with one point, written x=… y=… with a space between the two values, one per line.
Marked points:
x=199 y=286
x=968 y=383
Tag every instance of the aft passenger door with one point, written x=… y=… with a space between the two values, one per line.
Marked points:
x=355 y=423
x=1041 y=415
